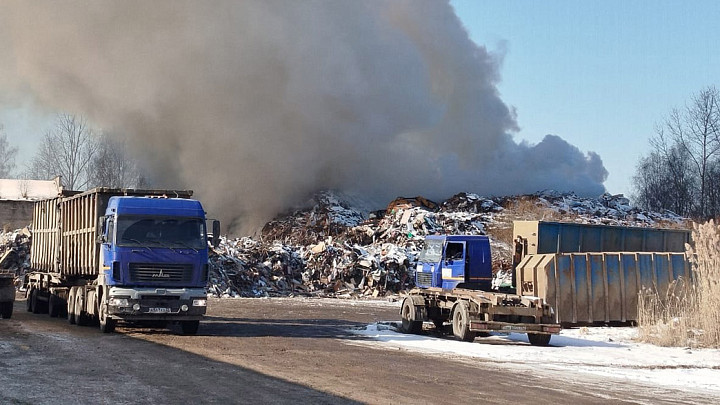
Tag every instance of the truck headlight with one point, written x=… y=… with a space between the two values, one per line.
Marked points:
x=118 y=302
x=200 y=303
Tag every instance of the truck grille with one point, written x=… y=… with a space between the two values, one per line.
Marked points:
x=424 y=278
x=160 y=272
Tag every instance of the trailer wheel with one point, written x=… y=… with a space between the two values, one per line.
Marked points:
x=190 y=327
x=461 y=322
x=407 y=313
x=81 y=319
x=71 y=306
x=35 y=302
x=6 y=309
x=28 y=301
x=538 y=339
x=54 y=304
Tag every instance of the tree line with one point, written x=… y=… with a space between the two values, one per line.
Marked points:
x=83 y=157
x=681 y=173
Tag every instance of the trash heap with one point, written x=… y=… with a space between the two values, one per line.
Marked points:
x=15 y=253
x=334 y=248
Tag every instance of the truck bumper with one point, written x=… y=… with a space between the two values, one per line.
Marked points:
x=540 y=328
x=150 y=304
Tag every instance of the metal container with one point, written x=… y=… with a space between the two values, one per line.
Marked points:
x=561 y=237
x=598 y=287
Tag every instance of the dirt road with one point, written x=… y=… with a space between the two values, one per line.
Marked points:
x=267 y=351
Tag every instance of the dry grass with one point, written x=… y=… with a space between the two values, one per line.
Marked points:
x=688 y=314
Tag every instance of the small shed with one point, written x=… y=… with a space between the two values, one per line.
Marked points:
x=18 y=196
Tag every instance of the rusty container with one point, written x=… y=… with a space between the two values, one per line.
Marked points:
x=562 y=237
x=585 y=288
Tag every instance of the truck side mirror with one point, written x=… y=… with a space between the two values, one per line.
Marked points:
x=100 y=231
x=215 y=233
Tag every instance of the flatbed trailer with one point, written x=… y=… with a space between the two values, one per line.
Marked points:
x=453 y=276
x=473 y=312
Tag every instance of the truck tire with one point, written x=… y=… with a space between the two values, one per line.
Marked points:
x=6 y=309
x=28 y=302
x=538 y=339
x=81 y=318
x=54 y=306
x=107 y=324
x=190 y=327
x=461 y=322
x=407 y=313
x=35 y=302
x=71 y=306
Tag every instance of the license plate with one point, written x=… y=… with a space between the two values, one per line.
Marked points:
x=158 y=310
x=510 y=327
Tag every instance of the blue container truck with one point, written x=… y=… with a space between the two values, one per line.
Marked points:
x=453 y=278
x=109 y=255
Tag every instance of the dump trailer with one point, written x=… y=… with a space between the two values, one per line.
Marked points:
x=453 y=279
x=593 y=273
x=109 y=255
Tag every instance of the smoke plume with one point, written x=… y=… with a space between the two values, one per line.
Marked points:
x=257 y=104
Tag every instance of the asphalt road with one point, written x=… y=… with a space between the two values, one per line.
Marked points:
x=268 y=351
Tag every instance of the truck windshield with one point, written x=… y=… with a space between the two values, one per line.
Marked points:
x=432 y=251
x=168 y=232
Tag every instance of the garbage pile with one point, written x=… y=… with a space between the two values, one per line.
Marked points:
x=334 y=248
x=15 y=253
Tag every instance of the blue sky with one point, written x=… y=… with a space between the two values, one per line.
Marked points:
x=599 y=74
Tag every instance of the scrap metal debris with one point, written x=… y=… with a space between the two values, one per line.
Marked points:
x=334 y=249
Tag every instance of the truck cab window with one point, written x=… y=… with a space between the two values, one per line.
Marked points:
x=454 y=251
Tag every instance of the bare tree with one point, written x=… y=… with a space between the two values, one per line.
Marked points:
x=680 y=174
x=114 y=166
x=7 y=155
x=696 y=129
x=67 y=150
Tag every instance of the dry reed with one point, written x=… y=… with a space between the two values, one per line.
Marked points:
x=688 y=314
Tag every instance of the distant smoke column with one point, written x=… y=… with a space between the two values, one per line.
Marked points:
x=257 y=104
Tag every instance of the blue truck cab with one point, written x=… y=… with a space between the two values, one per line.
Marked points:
x=455 y=261
x=154 y=259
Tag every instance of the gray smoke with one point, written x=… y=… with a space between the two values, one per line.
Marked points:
x=257 y=104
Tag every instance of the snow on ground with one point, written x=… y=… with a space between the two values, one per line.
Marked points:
x=610 y=353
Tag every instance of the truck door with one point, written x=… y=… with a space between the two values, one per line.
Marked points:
x=478 y=271
x=453 y=264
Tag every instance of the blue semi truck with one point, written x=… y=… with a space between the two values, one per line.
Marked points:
x=109 y=255
x=453 y=279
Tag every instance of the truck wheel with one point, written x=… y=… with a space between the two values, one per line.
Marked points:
x=34 y=302
x=28 y=301
x=81 y=319
x=6 y=309
x=538 y=339
x=71 y=306
x=461 y=322
x=189 y=327
x=54 y=306
x=107 y=324
x=407 y=313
